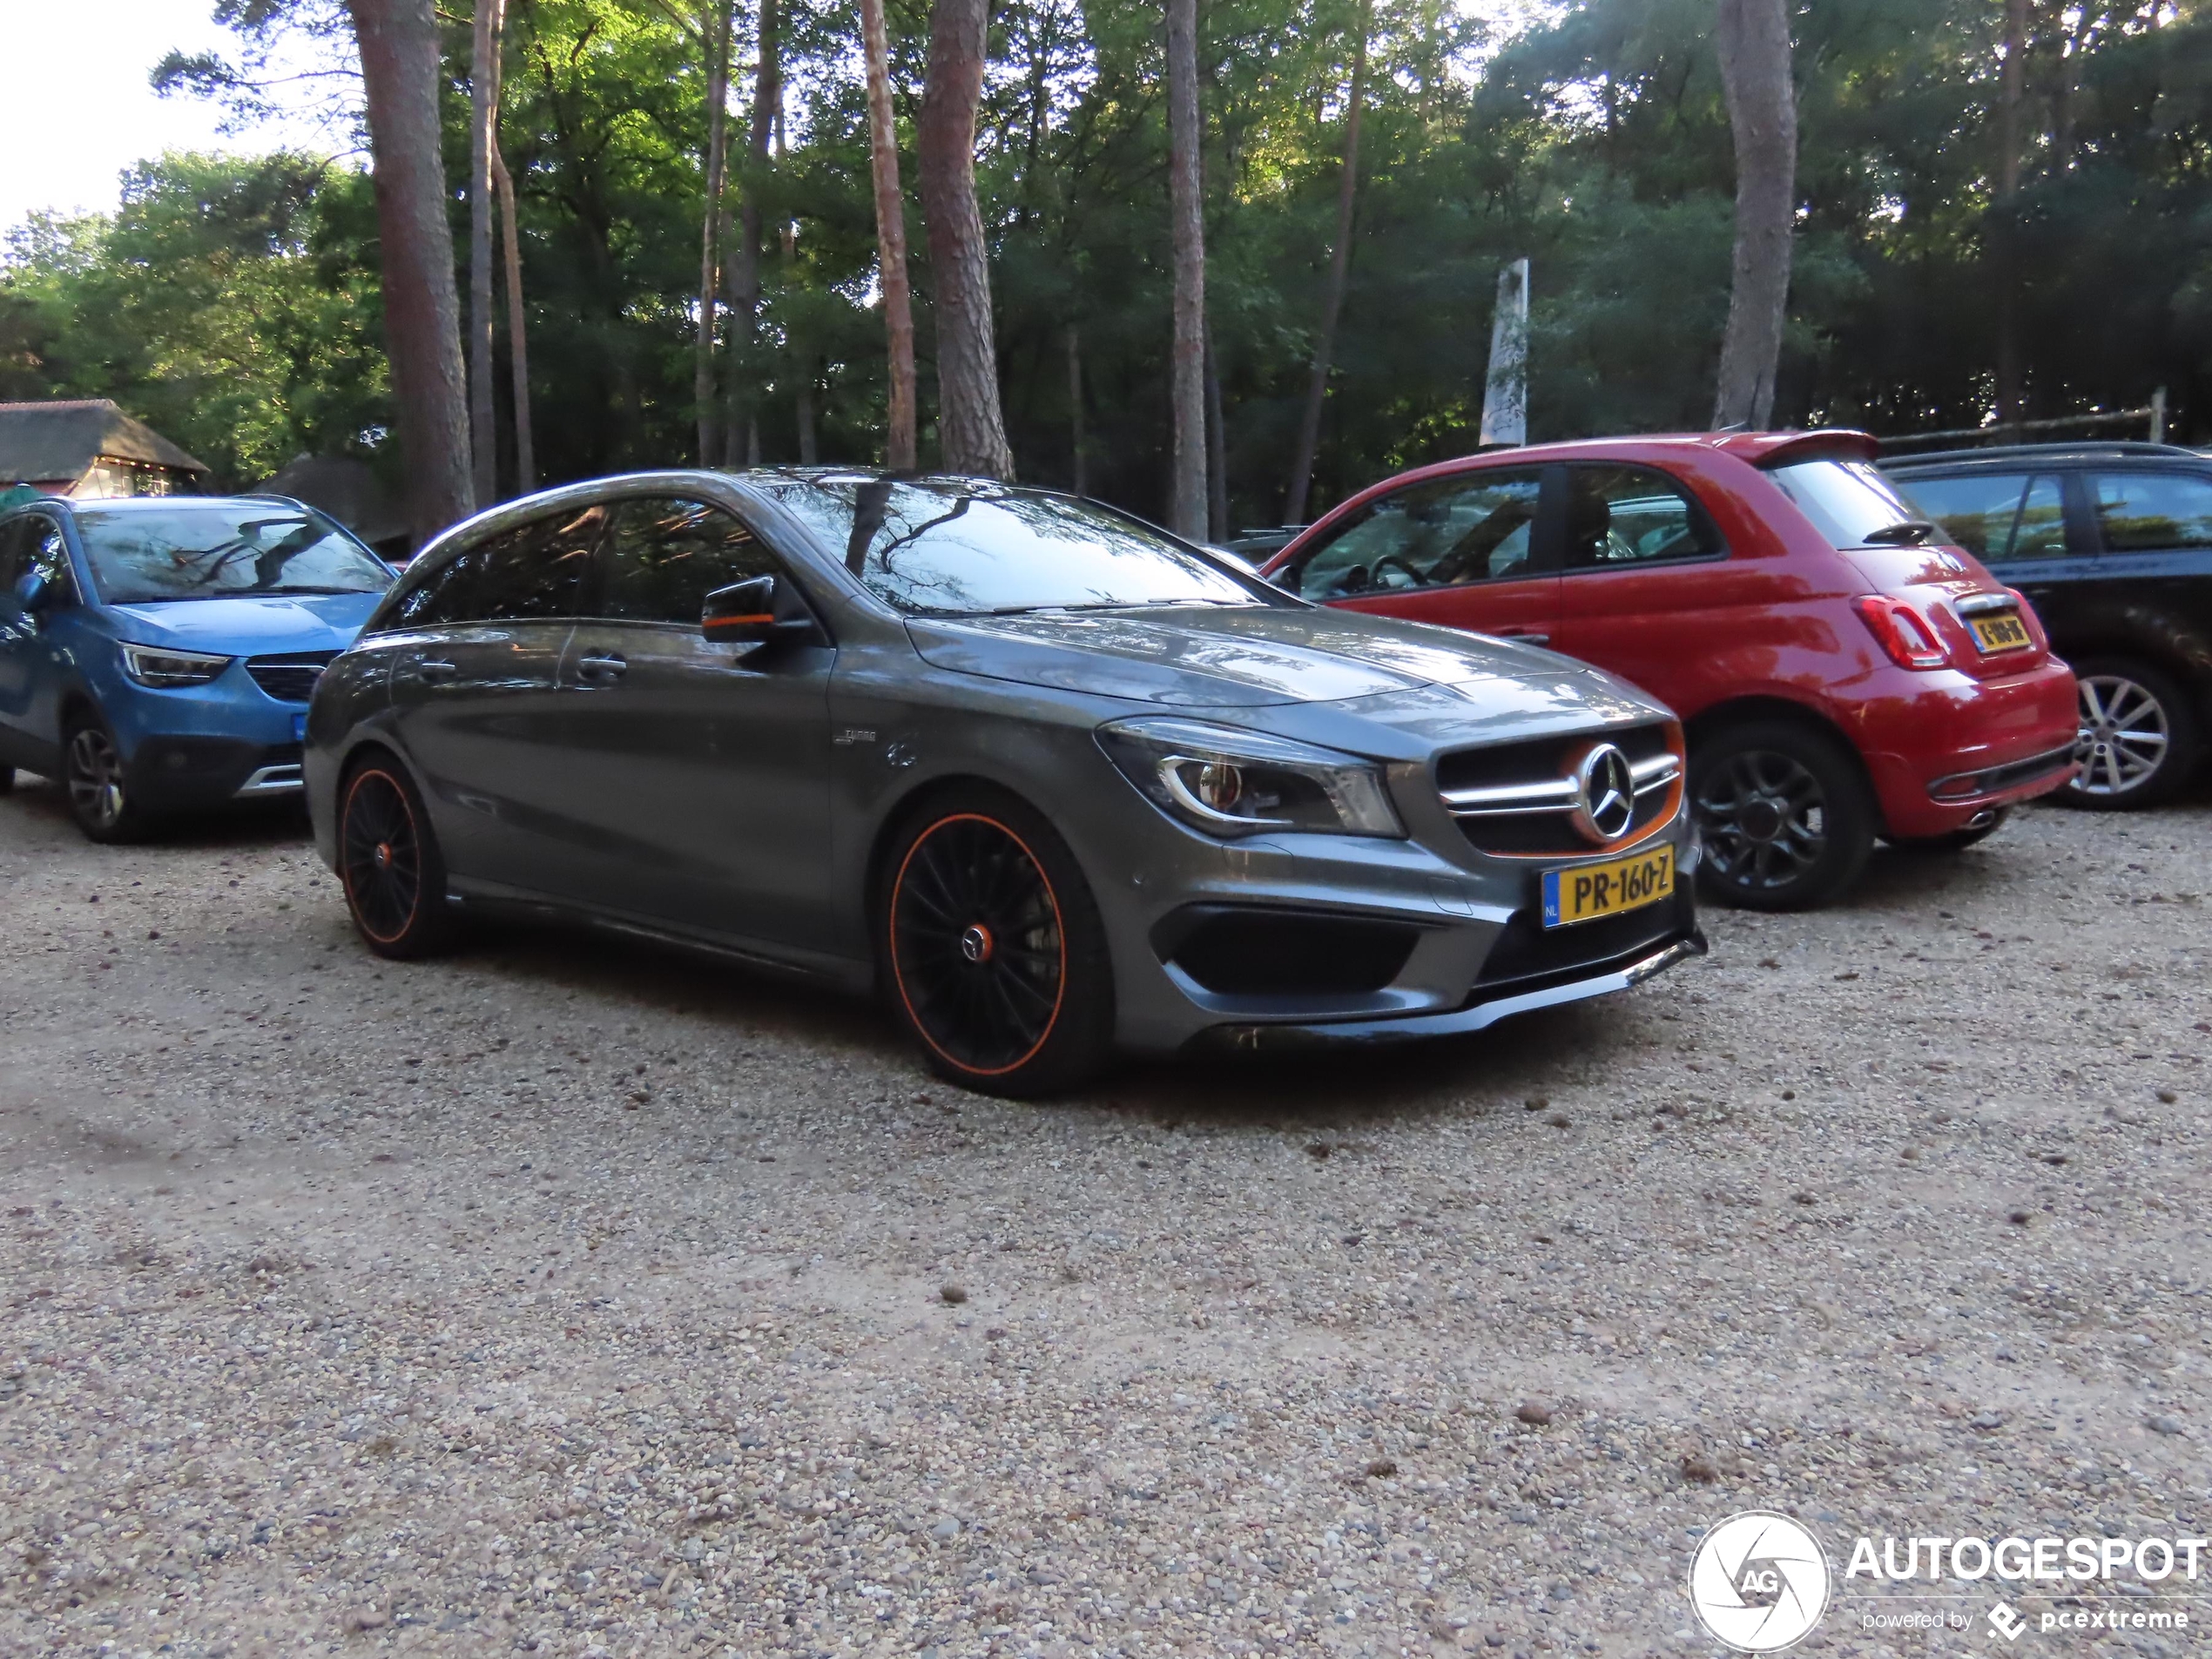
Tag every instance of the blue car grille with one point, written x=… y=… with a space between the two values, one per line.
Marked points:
x=291 y=678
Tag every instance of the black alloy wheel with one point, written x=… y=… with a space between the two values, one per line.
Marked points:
x=92 y=772
x=388 y=862
x=2140 y=738
x=1786 y=819
x=995 y=956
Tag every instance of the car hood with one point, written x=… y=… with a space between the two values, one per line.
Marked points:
x=1200 y=656
x=248 y=626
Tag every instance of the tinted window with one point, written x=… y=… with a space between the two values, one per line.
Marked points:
x=1847 y=501
x=1479 y=527
x=662 y=558
x=1622 y=516
x=948 y=548
x=2140 y=511
x=221 y=549
x=532 y=571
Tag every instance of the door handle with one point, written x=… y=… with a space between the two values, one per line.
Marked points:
x=436 y=672
x=608 y=667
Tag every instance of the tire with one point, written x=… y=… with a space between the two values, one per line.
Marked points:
x=92 y=776
x=2142 y=735
x=388 y=863
x=1958 y=840
x=989 y=948
x=1786 y=812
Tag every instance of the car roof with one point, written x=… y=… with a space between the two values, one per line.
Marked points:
x=1759 y=449
x=2011 y=455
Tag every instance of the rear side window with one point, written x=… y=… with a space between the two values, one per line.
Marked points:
x=1619 y=517
x=1847 y=501
x=661 y=558
x=531 y=572
x=2149 y=511
x=1479 y=527
x=1996 y=516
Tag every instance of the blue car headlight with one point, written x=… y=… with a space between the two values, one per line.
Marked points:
x=1229 y=782
x=164 y=669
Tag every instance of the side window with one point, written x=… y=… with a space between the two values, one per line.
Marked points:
x=661 y=558
x=2147 y=512
x=1977 y=512
x=530 y=572
x=2041 y=533
x=1631 y=516
x=1479 y=527
x=41 y=550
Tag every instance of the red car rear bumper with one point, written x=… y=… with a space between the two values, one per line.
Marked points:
x=1960 y=746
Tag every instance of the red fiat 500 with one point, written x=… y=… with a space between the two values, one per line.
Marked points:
x=1842 y=673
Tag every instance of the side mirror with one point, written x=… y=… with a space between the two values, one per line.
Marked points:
x=742 y=614
x=33 y=593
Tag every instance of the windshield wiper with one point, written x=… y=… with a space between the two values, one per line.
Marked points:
x=1906 y=532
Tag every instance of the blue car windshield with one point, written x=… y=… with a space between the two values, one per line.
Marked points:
x=220 y=551
x=958 y=547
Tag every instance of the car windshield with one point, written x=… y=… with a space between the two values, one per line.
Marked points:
x=1847 y=501
x=221 y=549
x=962 y=548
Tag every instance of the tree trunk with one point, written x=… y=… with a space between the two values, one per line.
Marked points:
x=809 y=450
x=399 y=55
x=518 y=353
x=1216 y=451
x=1309 y=431
x=483 y=120
x=741 y=441
x=1076 y=407
x=890 y=240
x=2008 y=190
x=1752 y=37
x=715 y=37
x=1187 y=498
x=971 y=429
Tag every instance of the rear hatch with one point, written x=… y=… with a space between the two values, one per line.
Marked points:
x=1985 y=628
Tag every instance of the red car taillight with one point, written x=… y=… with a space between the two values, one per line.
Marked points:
x=1903 y=631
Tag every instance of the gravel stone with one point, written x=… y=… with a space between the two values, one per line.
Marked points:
x=255 y=1385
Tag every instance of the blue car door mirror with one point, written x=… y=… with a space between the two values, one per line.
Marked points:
x=33 y=593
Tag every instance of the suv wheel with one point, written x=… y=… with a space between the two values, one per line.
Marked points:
x=2141 y=736
x=990 y=950
x=1786 y=817
x=92 y=772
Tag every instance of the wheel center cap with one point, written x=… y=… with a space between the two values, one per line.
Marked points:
x=976 y=944
x=383 y=855
x=1761 y=819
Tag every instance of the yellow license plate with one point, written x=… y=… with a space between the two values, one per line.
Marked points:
x=2002 y=630
x=1594 y=890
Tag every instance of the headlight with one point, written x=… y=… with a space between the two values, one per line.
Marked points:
x=1231 y=782
x=158 y=666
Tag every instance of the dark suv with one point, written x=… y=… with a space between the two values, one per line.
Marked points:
x=2112 y=542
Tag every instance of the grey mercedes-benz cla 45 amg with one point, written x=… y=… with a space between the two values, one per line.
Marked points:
x=1048 y=780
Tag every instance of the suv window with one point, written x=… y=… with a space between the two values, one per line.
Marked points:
x=35 y=543
x=1997 y=516
x=1630 y=516
x=1479 y=527
x=661 y=558
x=531 y=572
x=2142 y=511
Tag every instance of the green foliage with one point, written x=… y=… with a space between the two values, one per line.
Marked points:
x=234 y=304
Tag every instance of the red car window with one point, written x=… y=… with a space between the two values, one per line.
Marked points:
x=1626 y=516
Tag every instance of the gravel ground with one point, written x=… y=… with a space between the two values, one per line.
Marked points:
x=573 y=1298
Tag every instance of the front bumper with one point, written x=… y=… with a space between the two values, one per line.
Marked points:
x=176 y=772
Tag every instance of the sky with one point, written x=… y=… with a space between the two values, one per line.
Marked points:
x=69 y=130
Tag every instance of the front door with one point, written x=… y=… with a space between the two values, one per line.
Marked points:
x=699 y=770
x=30 y=658
x=474 y=689
x=1471 y=550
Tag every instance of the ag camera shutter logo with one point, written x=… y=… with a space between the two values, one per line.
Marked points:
x=1759 y=1581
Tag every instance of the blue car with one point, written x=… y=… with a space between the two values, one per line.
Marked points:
x=156 y=655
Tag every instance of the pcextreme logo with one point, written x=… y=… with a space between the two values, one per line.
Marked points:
x=1759 y=1581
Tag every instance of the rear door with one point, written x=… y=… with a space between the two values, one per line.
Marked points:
x=475 y=687
x=2155 y=568
x=698 y=772
x=1475 y=550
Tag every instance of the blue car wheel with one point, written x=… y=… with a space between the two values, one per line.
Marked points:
x=93 y=774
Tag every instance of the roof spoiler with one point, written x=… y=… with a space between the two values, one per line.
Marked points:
x=1840 y=443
